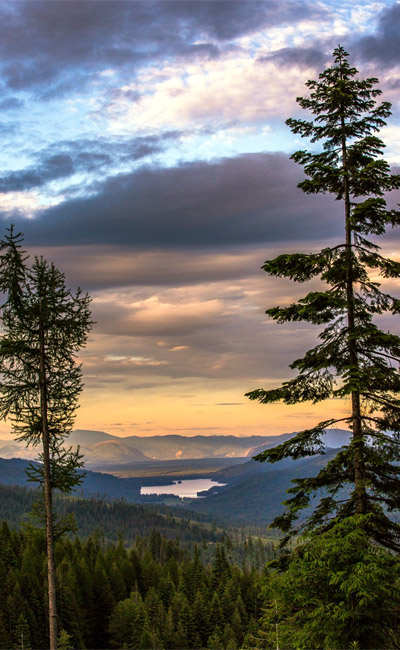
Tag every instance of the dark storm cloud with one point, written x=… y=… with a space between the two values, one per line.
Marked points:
x=63 y=159
x=42 y=41
x=384 y=45
x=248 y=199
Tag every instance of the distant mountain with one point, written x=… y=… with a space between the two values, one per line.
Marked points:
x=86 y=437
x=111 y=451
x=176 y=446
x=254 y=491
x=333 y=438
x=12 y=472
x=102 y=450
x=14 y=450
x=113 y=519
x=95 y=484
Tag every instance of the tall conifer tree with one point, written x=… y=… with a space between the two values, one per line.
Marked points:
x=355 y=360
x=44 y=325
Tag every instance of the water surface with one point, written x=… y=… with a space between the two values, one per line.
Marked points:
x=185 y=488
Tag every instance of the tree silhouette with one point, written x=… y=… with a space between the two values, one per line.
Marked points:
x=356 y=359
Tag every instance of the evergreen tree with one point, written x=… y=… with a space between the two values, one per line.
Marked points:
x=338 y=591
x=4 y=637
x=44 y=326
x=122 y=623
x=22 y=635
x=64 y=641
x=103 y=602
x=355 y=360
x=216 y=614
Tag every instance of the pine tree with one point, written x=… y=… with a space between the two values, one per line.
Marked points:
x=44 y=326
x=355 y=360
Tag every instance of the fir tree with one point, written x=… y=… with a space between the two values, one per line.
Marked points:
x=22 y=635
x=44 y=326
x=338 y=591
x=122 y=623
x=355 y=360
x=64 y=641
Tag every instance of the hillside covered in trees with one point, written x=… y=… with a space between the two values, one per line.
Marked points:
x=155 y=595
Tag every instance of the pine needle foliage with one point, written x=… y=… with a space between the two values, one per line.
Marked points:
x=43 y=327
x=339 y=591
x=355 y=360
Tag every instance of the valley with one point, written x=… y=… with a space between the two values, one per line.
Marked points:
x=239 y=490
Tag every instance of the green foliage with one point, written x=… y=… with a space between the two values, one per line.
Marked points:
x=338 y=591
x=118 y=520
x=44 y=326
x=64 y=641
x=356 y=360
x=22 y=635
x=147 y=606
x=36 y=297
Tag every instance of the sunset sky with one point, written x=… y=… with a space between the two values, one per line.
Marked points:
x=144 y=151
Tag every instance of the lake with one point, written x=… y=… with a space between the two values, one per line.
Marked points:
x=184 y=488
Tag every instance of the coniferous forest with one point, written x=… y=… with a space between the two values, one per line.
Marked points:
x=156 y=594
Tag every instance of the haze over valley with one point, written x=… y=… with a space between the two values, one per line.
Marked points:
x=119 y=468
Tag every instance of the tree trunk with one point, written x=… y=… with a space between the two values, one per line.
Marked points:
x=359 y=469
x=48 y=497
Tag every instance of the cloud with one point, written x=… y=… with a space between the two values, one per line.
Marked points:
x=155 y=316
x=227 y=20
x=11 y=103
x=243 y=200
x=208 y=93
x=384 y=45
x=66 y=158
x=41 y=42
x=307 y=57
x=104 y=267
x=51 y=168
x=220 y=332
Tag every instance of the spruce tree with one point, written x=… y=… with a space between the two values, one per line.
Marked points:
x=355 y=360
x=44 y=325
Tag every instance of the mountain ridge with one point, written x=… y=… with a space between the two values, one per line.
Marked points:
x=104 y=449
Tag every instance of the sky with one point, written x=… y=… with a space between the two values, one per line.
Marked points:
x=145 y=152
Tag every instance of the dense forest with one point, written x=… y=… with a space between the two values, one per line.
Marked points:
x=116 y=519
x=157 y=594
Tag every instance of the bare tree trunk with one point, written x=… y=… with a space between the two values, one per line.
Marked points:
x=48 y=497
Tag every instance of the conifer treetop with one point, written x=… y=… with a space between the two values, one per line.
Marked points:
x=355 y=359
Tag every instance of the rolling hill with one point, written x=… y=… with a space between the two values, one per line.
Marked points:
x=254 y=492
